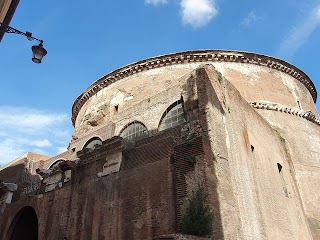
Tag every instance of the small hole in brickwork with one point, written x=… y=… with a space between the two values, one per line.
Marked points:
x=299 y=105
x=116 y=108
x=252 y=148
x=73 y=149
x=279 y=167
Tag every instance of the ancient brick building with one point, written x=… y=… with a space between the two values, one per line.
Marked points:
x=242 y=126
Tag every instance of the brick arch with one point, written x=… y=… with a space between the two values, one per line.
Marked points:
x=84 y=142
x=56 y=161
x=90 y=140
x=132 y=122
x=138 y=123
x=48 y=163
x=24 y=225
x=119 y=129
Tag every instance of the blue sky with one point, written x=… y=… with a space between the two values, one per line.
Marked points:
x=88 y=39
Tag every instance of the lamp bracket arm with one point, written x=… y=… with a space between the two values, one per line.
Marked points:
x=8 y=29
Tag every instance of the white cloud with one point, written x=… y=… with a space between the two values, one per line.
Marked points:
x=41 y=143
x=3 y=134
x=40 y=151
x=10 y=149
x=249 y=19
x=198 y=13
x=29 y=130
x=61 y=149
x=28 y=120
x=299 y=34
x=61 y=133
x=156 y=2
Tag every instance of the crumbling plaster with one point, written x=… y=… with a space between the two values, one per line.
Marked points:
x=255 y=84
x=152 y=91
x=253 y=81
x=302 y=142
x=239 y=109
x=264 y=203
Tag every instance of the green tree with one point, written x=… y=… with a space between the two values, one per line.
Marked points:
x=197 y=219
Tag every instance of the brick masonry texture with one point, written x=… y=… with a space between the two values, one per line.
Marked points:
x=258 y=165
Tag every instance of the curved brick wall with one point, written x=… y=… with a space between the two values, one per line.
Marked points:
x=257 y=77
x=251 y=140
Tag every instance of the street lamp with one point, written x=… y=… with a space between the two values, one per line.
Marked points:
x=38 y=51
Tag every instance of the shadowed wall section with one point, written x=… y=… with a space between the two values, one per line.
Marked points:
x=245 y=130
x=24 y=225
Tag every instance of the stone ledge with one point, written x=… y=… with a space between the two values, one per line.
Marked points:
x=181 y=237
x=308 y=115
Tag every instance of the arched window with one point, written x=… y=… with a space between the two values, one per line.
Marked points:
x=55 y=164
x=173 y=116
x=133 y=131
x=93 y=144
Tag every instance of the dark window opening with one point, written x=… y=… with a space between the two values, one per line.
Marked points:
x=116 y=108
x=55 y=164
x=279 y=167
x=24 y=225
x=93 y=144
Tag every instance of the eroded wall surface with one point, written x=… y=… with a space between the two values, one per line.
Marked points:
x=257 y=200
x=302 y=143
x=251 y=139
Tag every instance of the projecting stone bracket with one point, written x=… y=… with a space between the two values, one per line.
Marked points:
x=108 y=147
x=53 y=178
x=112 y=165
x=6 y=192
x=56 y=180
x=51 y=182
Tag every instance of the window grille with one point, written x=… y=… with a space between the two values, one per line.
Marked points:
x=93 y=143
x=173 y=116
x=134 y=131
x=55 y=164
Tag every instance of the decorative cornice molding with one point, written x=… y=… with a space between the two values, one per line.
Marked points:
x=308 y=115
x=190 y=57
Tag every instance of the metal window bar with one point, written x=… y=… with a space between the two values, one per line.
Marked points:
x=133 y=131
x=174 y=116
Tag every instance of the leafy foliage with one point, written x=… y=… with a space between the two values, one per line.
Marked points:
x=197 y=220
x=220 y=77
x=192 y=160
x=189 y=138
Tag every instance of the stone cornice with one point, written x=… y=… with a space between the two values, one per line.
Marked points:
x=190 y=57
x=308 y=115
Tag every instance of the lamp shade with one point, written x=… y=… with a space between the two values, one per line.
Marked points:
x=38 y=52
